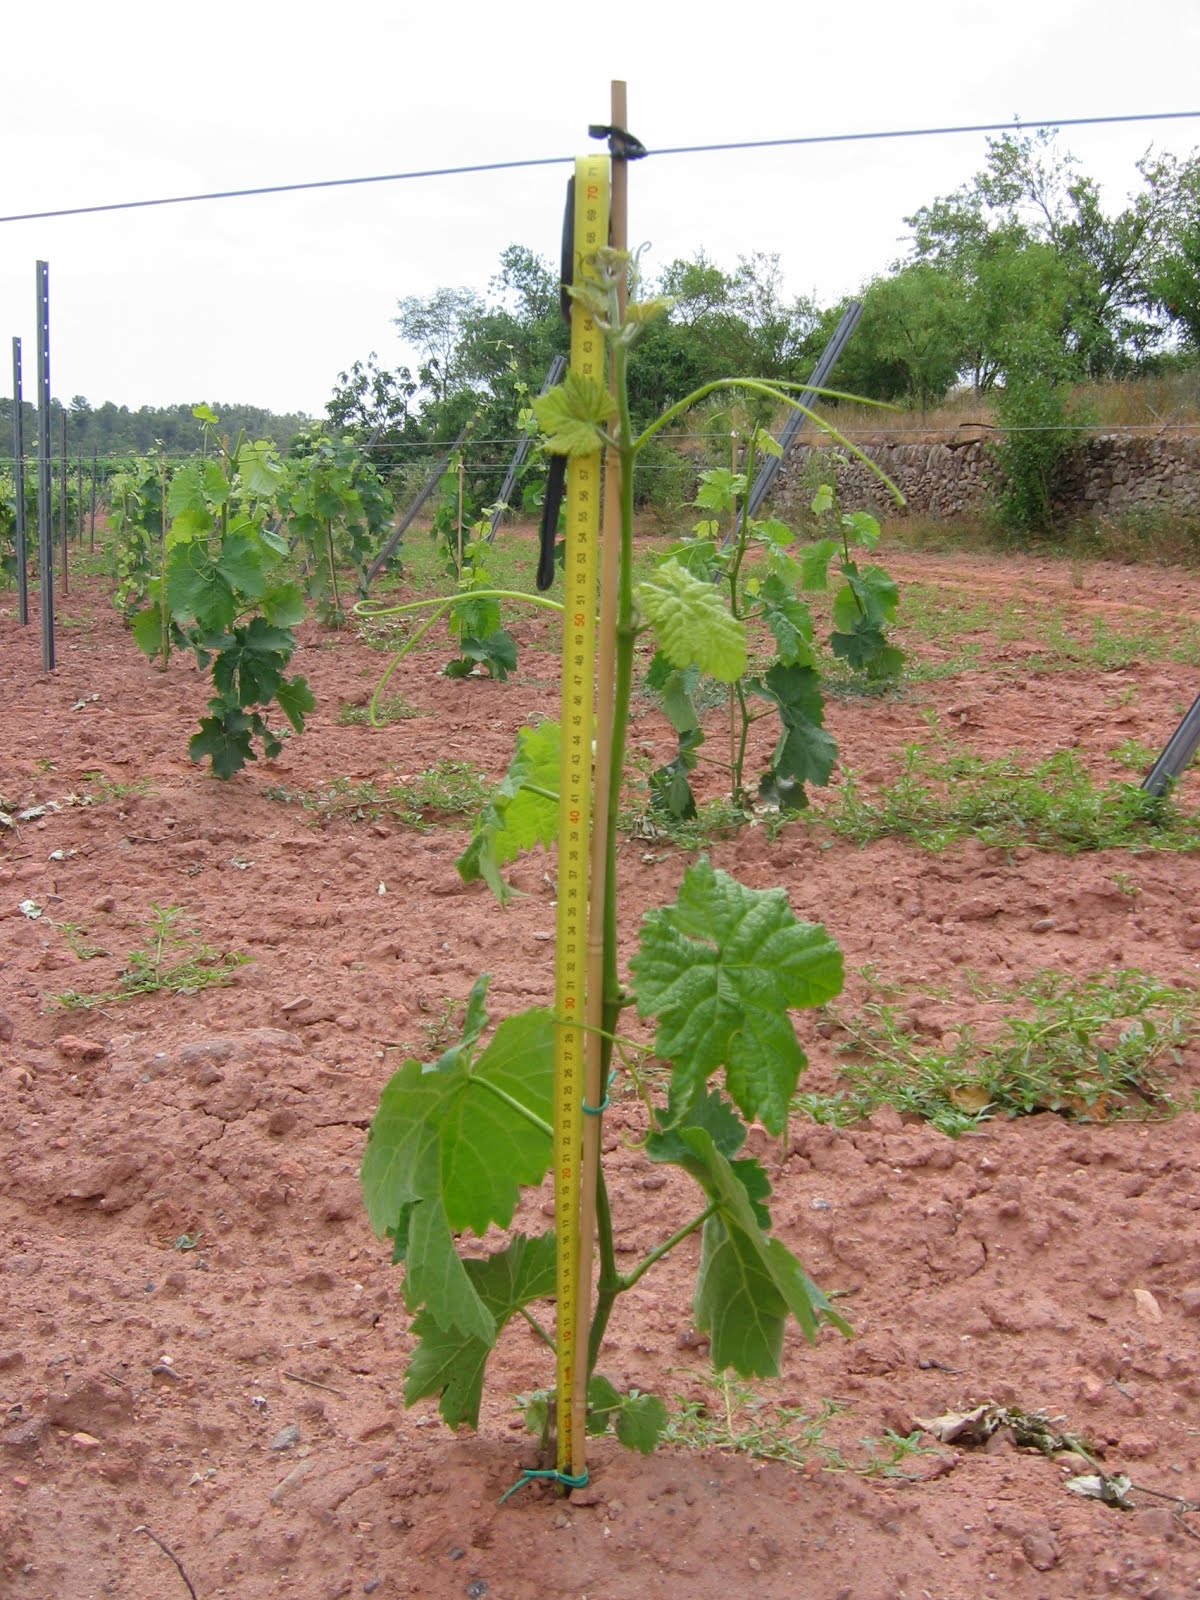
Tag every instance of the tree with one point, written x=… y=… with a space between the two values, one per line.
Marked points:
x=912 y=340
x=1030 y=196
x=437 y=326
x=1174 y=286
x=372 y=400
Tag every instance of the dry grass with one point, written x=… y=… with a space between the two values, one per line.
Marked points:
x=1150 y=405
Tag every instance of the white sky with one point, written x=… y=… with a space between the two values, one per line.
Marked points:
x=265 y=300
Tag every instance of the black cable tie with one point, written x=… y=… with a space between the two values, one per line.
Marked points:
x=622 y=145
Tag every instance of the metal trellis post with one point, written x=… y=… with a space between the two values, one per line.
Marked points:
x=45 y=531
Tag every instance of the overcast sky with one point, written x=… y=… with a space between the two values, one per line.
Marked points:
x=265 y=300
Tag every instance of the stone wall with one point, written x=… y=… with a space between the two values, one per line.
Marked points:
x=1108 y=475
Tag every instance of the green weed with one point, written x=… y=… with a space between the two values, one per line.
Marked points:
x=944 y=795
x=393 y=709
x=1093 y=1050
x=744 y=1422
x=447 y=789
x=77 y=939
x=101 y=789
x=173 y=960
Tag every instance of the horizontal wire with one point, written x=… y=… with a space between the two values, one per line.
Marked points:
x=865 y=437
x=555 y=161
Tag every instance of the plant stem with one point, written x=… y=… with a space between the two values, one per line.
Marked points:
x=367 y=608
x=514 y=1105
x=608 y=1284
x=742 y=532
x=628 y=1279
x=337 y=604
x=537 y=1327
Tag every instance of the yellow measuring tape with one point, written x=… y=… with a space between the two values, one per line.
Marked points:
x=592 y=175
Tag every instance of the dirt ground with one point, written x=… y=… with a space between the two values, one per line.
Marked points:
x=201 y=1342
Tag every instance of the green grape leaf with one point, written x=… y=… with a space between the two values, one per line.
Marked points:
x=790 y=620
x=720 y=489
x=863 y=528
x=241 y=565
x=572 y=415
x=822 y=500
x=449 y=1363
x=474 y=616
x=249 y=669
x=747 y=1283
x=196 y=591
x=497 y=652
x=516 y=818
x=701 y=556
x=639 y=1418
x=260 y=470
x=436 y=1274
x=777 y=532
x=295 y=700
x=713 y=1113
x=147 y=630
x=189 y=526
x=639 y=312
x=720 y=970
x=814 y=565
x=274 y=541
x=603 y=1402
x=670 y=791
x=225 y=738
x=870 y=595
x=197 y=488
x=805 y=753
x=860 y=647
x=692 y=623
x=677 y=686
x=641 y=1422
x=283 y=605
x=466 y=1135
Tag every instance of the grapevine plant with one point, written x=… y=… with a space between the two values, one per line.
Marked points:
x=461 y=529
x=137 y=493
x=219 y=595
x=456 y=1143
x=763 y=581
x=338 y=510
x=8 y=527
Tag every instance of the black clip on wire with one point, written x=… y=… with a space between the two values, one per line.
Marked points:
x=622 y=145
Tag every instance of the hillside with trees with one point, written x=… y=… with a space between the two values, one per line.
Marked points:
x=112 y=431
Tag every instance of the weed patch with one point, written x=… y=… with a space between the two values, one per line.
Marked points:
x=741 y=1421
x=943 y=795
x=1094 y=1051
x=173 y=960
x=393 y=709
x=447 y=789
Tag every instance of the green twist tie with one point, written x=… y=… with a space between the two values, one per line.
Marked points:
x=530 y=1474
x=598 y=1111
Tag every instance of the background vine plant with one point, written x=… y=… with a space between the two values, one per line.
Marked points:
x=220 y=596
x=763 y=581
x=337 y=509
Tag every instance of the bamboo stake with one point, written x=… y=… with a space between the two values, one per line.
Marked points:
x=606 y=642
